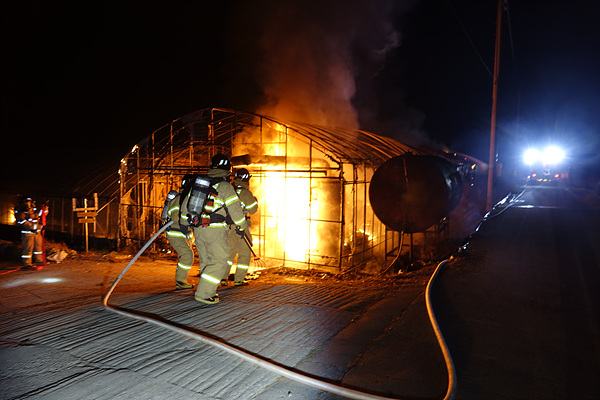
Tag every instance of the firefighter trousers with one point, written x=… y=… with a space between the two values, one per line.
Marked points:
x=32 y=248
x=239 y=247
x=212 y=243
x=185 y=255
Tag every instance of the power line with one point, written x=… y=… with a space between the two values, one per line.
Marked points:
x=469 y=39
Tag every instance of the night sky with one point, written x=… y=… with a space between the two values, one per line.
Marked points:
x=83 y=82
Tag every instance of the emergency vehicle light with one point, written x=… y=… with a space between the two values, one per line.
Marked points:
x=550 y=155
x=531 y=156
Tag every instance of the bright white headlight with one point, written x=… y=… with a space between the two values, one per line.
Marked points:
x=552 y=155
x=531 y=156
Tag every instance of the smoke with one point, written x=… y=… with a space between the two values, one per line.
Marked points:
x=314 y=52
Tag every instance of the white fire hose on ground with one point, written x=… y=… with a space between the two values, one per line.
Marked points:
x=288 y=373
x=451 y=392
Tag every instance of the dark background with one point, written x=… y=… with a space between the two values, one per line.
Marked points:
x=83 y=82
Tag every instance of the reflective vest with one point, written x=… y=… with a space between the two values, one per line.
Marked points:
x=27 y=219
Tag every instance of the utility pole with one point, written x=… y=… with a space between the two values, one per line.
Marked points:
x=492 y=159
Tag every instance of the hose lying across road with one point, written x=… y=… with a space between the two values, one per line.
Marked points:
x=296 y=376
x=288 y=373
x=498 y=209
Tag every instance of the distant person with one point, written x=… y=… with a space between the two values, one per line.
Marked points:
x=43 y=217
x=179 y=233
x=211 y=231
x=27 y=218
x=237 y=244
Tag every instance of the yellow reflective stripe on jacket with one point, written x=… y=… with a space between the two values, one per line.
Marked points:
x=231 y=199
x=174 y=233
x=249 y=206
x=174 y=208
x=216 y=204
x=240 y=221
x=245 y=206
x=217 y=225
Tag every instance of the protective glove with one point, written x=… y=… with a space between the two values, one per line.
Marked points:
x=240 y=231
x=193 y=220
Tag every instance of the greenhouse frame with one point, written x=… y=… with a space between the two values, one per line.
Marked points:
x=311 y=182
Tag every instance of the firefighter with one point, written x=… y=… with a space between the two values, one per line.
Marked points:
x=237 y=244
x=211 y=236
x=27 y=218
x=179 y=233
x=43 y=217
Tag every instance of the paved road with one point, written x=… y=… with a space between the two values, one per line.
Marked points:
x=521 y=308
x=57 y=342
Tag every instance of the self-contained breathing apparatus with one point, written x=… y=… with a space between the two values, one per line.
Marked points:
x=165 y=212
x=198 y=198
x=201 y=203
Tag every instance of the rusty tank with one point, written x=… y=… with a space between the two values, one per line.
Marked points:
x=410 y=193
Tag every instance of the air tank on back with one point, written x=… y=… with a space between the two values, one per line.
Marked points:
x=410 y=193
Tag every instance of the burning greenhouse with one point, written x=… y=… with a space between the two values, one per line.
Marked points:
x=312 y=184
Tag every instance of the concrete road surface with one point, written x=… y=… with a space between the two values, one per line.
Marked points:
x=521 y=308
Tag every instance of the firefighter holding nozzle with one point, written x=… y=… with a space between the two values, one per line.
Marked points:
x=178 y=234
x=239 y=246
x=213 y=198
x=29 y=220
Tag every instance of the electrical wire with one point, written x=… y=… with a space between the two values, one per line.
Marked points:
x=510 y=35
x=469 y=39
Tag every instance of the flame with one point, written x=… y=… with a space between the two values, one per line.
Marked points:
x=292 y=194
x=287 y=221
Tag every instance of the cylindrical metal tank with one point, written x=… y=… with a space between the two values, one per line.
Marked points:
x=410 y=193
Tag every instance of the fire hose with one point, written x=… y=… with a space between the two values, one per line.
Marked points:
x=288 y=373
x=278 y=369
x=498 y=209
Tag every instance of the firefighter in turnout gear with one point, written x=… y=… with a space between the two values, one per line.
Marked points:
x=179 y=233
x=27 y=218
x=211 y=235
x=238 y=245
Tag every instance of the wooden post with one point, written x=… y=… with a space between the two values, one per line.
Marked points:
x=86 y=226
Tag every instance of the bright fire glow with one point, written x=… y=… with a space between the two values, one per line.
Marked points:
x=287 y=219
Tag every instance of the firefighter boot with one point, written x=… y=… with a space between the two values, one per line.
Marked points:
x=181 y=279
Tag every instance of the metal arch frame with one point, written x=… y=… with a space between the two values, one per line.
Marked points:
x=174 y=150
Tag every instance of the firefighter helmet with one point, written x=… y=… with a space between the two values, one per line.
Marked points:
x=220 y=161
x=242 y=174
x=187 y=180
